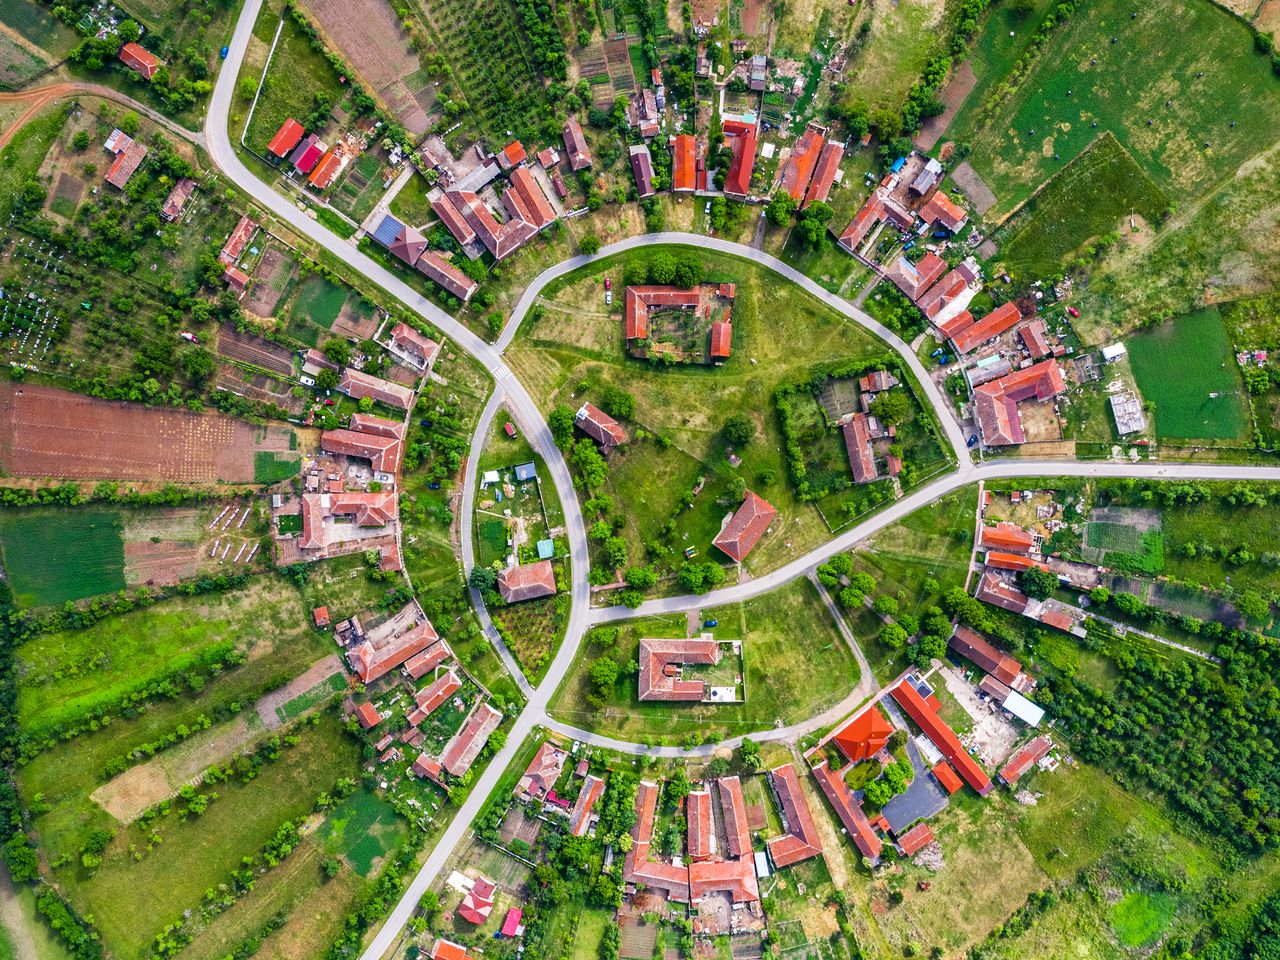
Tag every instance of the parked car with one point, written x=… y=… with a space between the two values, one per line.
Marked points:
x=608 y=298
x=1073 y=311
x=973 y=441
x=712 y=623
x=608 y=283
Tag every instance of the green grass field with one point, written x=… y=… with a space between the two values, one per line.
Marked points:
x=36 y=22
x=71 y=674
x=1188 y=68
x=1087 y=199
x=1186 y=369
x=411 y=204
x=363 y=828
x=22 y=157
x=270 y=467
x=54 y=555
x=322 y=691
x=320 y=300
x=797 y=664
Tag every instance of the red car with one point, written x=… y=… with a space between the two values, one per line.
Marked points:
x=1073 y=311
x=328 y=403
x=608 y=283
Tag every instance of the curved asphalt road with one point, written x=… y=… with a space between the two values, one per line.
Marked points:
x=508 y=391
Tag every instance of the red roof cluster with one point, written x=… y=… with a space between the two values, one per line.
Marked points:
x=849 y=810
x=540 y=777
x=798 y=170
x=382 y=452
x=943 y=737
x=660 y=667
x=639 y=301
x=941 y=210
x=913 y=279
x=801 y=841
x=996 y=403
x=745 y=528
x=372 y=658
x=992 y=325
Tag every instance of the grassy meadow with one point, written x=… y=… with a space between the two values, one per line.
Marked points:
x=54 y=555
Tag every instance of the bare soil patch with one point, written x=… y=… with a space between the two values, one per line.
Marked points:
x=954 y=94
x=316 y=674
x=247 y=348
x=1268 y=18
x=160 y=564
x=257 y=386
x=46 y=432
x=350 y=322
x=272 y=277
x=974 y=187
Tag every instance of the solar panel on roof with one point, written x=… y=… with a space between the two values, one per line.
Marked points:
x=388 y=230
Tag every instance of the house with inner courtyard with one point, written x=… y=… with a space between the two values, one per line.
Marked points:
x=686 y=325
x=996 y=403
x=391 y=643
x=664 y=677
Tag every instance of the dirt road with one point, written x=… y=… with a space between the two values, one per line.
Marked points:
x=39 y=98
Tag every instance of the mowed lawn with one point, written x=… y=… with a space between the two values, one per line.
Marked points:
x=780 y=333
x=796 y=662
x=52 y=555
x=1176 y=77
x=68 y=675
x=1186 y=368
x=1088 y=199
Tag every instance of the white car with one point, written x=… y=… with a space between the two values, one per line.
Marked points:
x=608 y=298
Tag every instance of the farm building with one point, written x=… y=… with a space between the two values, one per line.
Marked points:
x=797 y=172
x=358 y=385
x=140 y=60
x=914 y=279
x=849 y=810
x=642 y=171
x=743 y=530
x=942 y=736
x=660 y=674
x=575 y=145
x=433 y=696
x=129 y=155
x=461 y=752
x=801 y=841
x=1022 y=761
x=600 y=427
x=824 y=174
x=996 y=403
x=1002 y=318
x=527 y=581
x=440 y=270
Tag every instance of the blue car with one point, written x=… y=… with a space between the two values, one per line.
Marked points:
x=973 y=440
x=712 y=623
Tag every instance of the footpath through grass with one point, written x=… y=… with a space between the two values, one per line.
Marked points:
x=797 y=665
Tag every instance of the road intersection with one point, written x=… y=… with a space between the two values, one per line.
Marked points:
x=511 y=394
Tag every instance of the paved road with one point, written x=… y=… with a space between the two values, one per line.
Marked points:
x=510 y=392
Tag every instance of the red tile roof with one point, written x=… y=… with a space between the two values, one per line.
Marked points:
x=125 y=164
x=357 y=384
x=868 y=215
x=992 y=325
x=460 y=752
x=286 y=138
x=454 y=221
x=637 y=868
x=138 y=58
x=600 y=427
x=441 y=271
x=1033 y=335
x=429 y=767
x=383 y=453
x=414 y=342
x=367 y=423
x=914 y=279
x=371 y=662
x=701 y=844
x=320 y=616
x=943 y=737
x=448 y=950
x=798 y=170
x=434 y=696
x=996 y=402
x=849 y=810
x=745 y=528
x=500 y=239
x=801 y=840
x=638 y=301
x=659 y=662
x=420 y=664
x=941 y=209
x=824 y=174
x=684 y=164
x=742 y=140
x=543 y=771
x=580 y=818
x=326 y=171
x=721 y=339
x=864 y=736
x=527 y=581
x=857 y=442
x=514 y=152
x=1024 y=760
x=236 y=278
x=526 y=187
x=946 y=775
x=1001 y=593
x=943 y=293
x=1006 y=536
x=575 y=144
x=918 y=836
x=368 y=716
x=735 y=877
x=1012 y=561
x=178 y=198
x=235 y=244
x=733 y=811
x=961 y=321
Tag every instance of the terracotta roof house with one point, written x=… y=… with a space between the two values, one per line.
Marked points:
x=327 y=170
x=946 y=776
x=368 y=716
x=320 y=617
x=954 y=325
x=637 y=868
x=429 y=767
x=236 y=279
x=453 y=220
x=660 y=676
x=540 y=212
x=797 y=172
x=1001 y=593
x=684 y=163
x=824 y=174
x=942 y=212
x=460 y=752
x=702 y=840
x=440 y=270
x=477 y=903
x=857 y=442
x=992 y=325
x=868 y=215
x=1033 y=337
x=733 y=812
x=512 y=154
x=575 y=145
x=307 y=154
x=640 y=300
x=1006 y=536
x=527 y=581
x=580 y=817
x=721 y=339
x=421 y=348
x=367 y=423
x=744 y=529
x=448 y=950
x=600 y=427
x=942 y=736
x=742 y=141
x=996 y=403
x=286 y=138
x=548 y=158
x=849 y=810
x=642 y=171
x=434 y=696
x=357 y=384
x=500 y=239
x=420 y=664
x=140 y=60
x=801 y=841
x=238 y=240
x=383 y=453
x=913 y=279
x=540 y=777
x=177 y=198
x=735 y=877
x=125 y=164
x=914 y=839
x=374 y=658
x=408 y=244
x=975 y=648
x=1024 y=760
x=864 y=736
x=943 y=299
